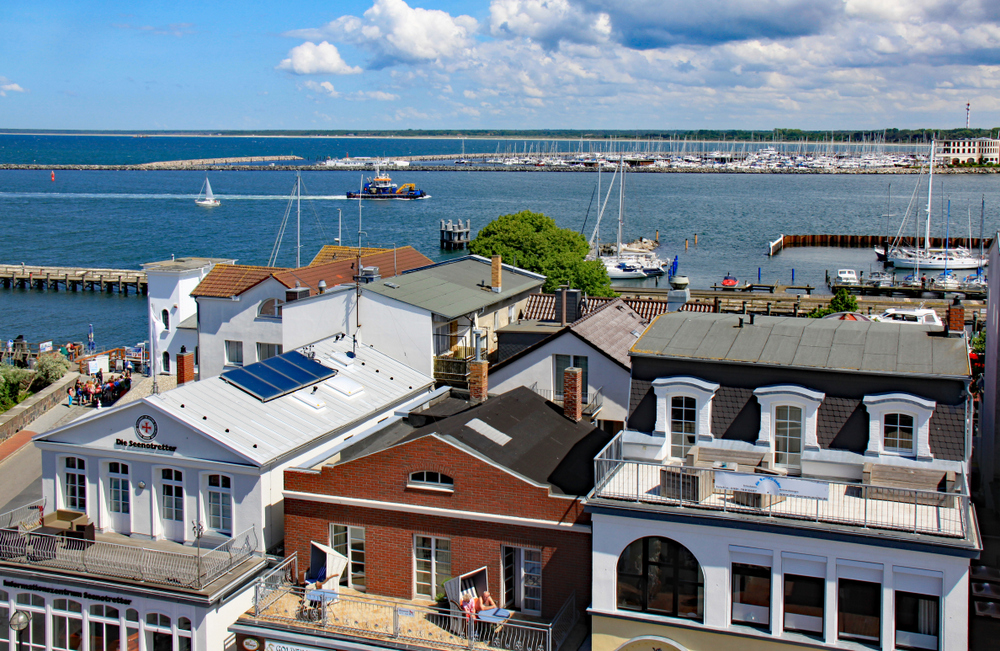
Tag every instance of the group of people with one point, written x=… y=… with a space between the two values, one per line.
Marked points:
x=95 y=392
x=474 y=605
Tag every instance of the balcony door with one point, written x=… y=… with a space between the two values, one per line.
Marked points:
x=522 y=579
x=172 y=504
x=119 y=497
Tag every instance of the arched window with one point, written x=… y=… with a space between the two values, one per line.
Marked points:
x=166 y=362
x=183 y=634
x=165 y=317
x=431 y=479
x=33 y=637
x=105 y=627
x=67 y=625
x=158 y=632
x=660 y=576
x=75 y=484
x=271 y=308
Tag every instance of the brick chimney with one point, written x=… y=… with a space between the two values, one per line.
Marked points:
x=573 y=393
x=497 y=272
x=185 y=368
x=478 y=380
x=956 y=316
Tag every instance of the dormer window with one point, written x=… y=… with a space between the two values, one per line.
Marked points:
x=683 y=413
x=788 y=419
x=899 y=425
x=271 y=308
x=431 y=480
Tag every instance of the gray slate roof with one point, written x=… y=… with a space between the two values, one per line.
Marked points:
x=610 y=329
x=455 y=288
x=883 y=348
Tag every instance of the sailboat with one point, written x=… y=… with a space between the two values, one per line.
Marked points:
x=205 y=197
x=927 y=258
x=618 y=266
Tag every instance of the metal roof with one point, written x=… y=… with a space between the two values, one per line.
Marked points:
x=457 y=287
x=885 y=348
x=263 y=432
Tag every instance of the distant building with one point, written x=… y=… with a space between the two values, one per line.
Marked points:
x=968 y=150
x=793 y=481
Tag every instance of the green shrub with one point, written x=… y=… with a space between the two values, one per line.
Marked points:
x=48 y=369
x=14 y=384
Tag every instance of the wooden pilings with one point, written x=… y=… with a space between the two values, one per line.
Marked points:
x=73 y=279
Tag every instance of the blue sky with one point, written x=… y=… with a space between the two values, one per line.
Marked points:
x=427 y=64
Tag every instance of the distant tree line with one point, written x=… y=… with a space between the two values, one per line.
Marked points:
x=901 y=136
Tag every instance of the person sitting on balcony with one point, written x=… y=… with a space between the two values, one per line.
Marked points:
x=470 y=607
x=485 y=602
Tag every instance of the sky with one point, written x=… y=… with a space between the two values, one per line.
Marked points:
x=499 y=64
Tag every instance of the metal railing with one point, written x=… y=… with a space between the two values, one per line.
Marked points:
x=271 y=585
x=861 y=505
x=593 y=400
x=126 y=561
x=27 y=516
x=373 y=617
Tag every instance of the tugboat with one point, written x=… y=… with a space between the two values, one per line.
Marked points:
x=382 y=187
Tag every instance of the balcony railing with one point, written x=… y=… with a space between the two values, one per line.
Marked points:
x=594 y=401
x=187 y=569
x=402 y=622
x=27 y=516
x=859 y=505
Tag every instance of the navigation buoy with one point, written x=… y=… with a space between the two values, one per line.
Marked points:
x=53 y=175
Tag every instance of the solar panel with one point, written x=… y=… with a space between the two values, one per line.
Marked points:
x=278 y=376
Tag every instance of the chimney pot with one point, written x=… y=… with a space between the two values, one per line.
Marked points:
x=573 y=393
x=185 y=368
x=478 y=380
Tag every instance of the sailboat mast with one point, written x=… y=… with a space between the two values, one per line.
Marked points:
x=930 y=191
x=298 y=218
x=621 y=204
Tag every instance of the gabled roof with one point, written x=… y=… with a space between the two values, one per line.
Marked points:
x=882 y=348
x=610 y=329
x=334 y=252
x=518 y=430
x=265 y=431
x=225 y=281
x=457 y=287
x=542 y=307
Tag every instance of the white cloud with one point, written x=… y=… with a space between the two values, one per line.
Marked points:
x=7 y=86
x=312 y=59
x=396 y=33
x=324 y=87
x=377 y=95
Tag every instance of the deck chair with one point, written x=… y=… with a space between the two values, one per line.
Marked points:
x=326 y=567
x=470 y=585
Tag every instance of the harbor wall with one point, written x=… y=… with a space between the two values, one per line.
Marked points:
x=17 y=417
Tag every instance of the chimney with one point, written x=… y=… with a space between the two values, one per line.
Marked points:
x=956 y=316
x=478 y=380
x=185 y=368
x=573 y=393
x=568 y=304
x=295 y=293
x=497 y=273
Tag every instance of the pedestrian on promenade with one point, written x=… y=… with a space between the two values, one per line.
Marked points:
x=70 y=392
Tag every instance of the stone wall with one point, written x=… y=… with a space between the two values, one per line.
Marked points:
x=17 y=418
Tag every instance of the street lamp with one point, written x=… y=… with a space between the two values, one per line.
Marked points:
x=18 y=622
x=199 y=530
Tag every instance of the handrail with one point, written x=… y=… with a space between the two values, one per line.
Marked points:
x=125 y=561
x=268 y=587
x=863 y=505
x=29 y=515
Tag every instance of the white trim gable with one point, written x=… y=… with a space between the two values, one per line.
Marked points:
x=788 y=394
x=903 y=403
x=703 y=392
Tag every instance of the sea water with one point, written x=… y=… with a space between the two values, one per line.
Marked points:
x=122 y=219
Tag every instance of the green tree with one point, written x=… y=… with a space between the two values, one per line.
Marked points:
x=49 y=369
x=842 y=301
x=532 y=241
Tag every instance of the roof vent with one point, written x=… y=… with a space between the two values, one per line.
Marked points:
x=367 y=275
x=344 y=358
x=345 y=386
x=309 y=398
x=391 y=285
x=488 y=431
x=296 y=293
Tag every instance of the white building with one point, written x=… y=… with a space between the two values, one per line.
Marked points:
x=793 y=481
x=172 y=311
x=130 y=482
x=968 y=150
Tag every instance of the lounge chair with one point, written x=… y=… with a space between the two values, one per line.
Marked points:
x=326 y=567
x=472 y=585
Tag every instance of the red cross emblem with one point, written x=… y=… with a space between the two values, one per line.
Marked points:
x=145 y=428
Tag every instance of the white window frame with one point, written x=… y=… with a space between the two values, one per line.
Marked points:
x=348 y=578
x=174 y=484
x=919 y=408
x=682 y=436
x=275 y=305
x=788 y=395
x=225 y=352
x=427 y=484
x=703 y=392
x=558 y=379
x=79 y=472
x=278 y=350
x=124 y=490
x=208 y=490
x=519 y=600
x=434 y=562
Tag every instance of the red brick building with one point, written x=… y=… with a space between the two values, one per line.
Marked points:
x=452 y=489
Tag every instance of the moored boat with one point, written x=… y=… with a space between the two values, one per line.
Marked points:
x=730 y=281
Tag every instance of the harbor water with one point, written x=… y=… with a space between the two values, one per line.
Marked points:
x=125 y=218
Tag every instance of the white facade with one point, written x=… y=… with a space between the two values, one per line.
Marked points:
x=403 y=331
x=969 y=150
x=896 y=567
x=538 y=368
x=170 y=303
x=237 y=319
x=310 y=319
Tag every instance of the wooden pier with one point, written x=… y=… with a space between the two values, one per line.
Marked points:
x=73 y=279
x=866 y=242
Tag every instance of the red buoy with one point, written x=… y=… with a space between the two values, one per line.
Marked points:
x=53 y=175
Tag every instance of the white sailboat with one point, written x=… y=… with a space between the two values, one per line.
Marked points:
x=928 y=258
x=205 y=197
x=618 y=266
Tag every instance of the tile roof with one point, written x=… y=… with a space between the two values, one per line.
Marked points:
x=879 y=348
x=542 y=307
x=455 y=288
x=947 y=435
x=832 y=415
x=334 y=252
x=226 y=280
x=613 y=329
x=727 y=405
